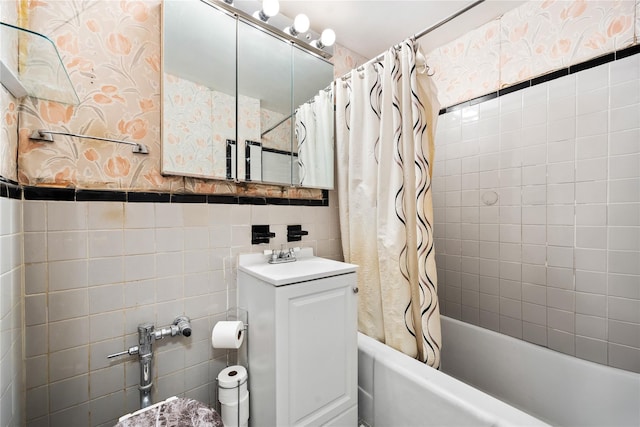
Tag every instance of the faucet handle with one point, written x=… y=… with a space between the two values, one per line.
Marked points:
x=130 y=352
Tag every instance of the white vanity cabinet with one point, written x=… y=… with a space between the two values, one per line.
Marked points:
x=302 y=340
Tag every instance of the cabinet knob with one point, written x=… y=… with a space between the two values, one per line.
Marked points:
x=355 y=290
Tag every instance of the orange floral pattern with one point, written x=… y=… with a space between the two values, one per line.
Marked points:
x=136 y=128
x=535 y=38
x=117 y=167
x=55 y=113
x=116 y=44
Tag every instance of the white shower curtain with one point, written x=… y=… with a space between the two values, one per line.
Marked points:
x=385 y=125
x=314 y=133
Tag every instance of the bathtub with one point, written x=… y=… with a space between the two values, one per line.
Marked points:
x=397 y=390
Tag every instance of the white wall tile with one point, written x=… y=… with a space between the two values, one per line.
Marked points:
x=139 y=241
x=624 y=309
x=558 y=173
x=66 y=216
x=624 y=333
x=624 y=357
x=591 y=169
x=623 y=285
x=105 y=243
x=534 y=234
x=139 y=215
x=624 y=142
x=625 y=94
x=624 y=190
x=624 y=238
x=591 y=259
x=65 y=275
x=104 y=215
x=66 y=245
x=590 y=147
x=623 y=214
x=560 y=193
x=103 y=271
x=591 y=192
x=559 y=277
x=624 y=262
x=68 y=304
x=593 y=101
x=592 y=124
x=595 y=214
x=562 y=108
x=591 y=237
x=66 y=393
x=68 y=363
x=624 y=118
x=591 y=349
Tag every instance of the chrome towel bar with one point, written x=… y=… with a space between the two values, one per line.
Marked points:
x=47 y=135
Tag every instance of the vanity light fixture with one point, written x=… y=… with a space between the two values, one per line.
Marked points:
x=300 y=25
x=327 y=38
x=269 y=8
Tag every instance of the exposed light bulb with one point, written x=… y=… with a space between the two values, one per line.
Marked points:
x=270 y=7
x=300 y=25
x=327 y=38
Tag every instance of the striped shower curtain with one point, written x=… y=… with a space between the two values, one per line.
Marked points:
x=386 y=113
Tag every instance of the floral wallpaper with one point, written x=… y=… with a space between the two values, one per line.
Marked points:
x=112 y=52
x=280 y=137
x=188 y=128
x=8 y=104
x=533 y=39
x=345 y=60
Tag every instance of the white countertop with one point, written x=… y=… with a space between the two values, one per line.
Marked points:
x=307 y=267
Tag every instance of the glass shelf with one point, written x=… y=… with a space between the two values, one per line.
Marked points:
x=31 y=65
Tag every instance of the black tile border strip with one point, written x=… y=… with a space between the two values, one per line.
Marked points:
x=188 y=198
x=148 y=197
x=572 y=69
x=46 y=193
x=100 y=196
x=14 y=191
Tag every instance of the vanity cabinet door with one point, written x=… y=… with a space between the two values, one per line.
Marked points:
x=316 y=345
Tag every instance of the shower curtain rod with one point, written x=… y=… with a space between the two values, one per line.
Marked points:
x=424 y=32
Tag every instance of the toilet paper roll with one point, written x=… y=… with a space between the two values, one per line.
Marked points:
x=232 y=384
x=235 y=414
x=232 y=377
x=227 y=334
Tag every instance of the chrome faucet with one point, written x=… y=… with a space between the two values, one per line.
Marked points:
x=147 y=334
x=282 y=256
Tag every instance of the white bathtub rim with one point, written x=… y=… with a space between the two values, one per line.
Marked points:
x=537 y=348
x=465 y=397
x=614 y=401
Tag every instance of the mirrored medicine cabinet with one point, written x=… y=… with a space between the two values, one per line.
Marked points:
x=242 y=101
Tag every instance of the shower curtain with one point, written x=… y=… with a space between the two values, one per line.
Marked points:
x=314 y=133
x=386 y=114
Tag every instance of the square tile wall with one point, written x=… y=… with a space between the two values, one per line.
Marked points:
x=95 y=270
x=537 y=214
x=11 y=405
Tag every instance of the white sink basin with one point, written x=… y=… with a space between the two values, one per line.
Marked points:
x=307 y=267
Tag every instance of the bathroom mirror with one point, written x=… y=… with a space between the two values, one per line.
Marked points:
x=198 y=90
x=217 y=59
x=264 y=105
